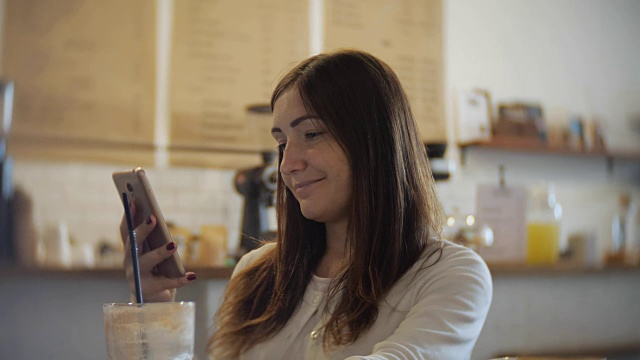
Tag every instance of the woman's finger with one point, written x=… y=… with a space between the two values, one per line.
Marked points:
x=143 y=230
x=157 y=284
x=149 y=260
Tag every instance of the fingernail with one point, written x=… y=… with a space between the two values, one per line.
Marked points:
x=191 y=277
x=149 y=220
x=171 y=246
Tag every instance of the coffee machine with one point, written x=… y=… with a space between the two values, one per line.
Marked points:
x=440 y=167
x=7 y=248
x=258 y=184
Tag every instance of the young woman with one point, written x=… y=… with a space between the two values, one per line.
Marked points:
x=358 y=270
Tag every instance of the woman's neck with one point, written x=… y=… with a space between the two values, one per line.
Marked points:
x=332 y=261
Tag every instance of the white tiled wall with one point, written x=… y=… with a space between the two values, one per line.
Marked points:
x=83 y=196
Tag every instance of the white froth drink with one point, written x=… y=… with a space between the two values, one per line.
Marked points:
x=150 y=331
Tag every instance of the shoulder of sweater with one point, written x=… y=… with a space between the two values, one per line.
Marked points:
x=458 y=255
x=248 y=258
x=444 y=269
x=447 y=258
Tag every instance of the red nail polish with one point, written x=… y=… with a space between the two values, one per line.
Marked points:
x=171 y=246
x=191 y=277
x=149 y=220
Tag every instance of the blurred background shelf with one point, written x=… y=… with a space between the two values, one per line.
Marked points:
x=16 y=271
x=534 y=146
x=558 y=269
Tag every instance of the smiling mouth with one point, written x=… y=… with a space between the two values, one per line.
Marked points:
x=303 y=185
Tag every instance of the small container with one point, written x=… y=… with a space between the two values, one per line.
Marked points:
x=181 y=236
x=212 y=251
x=57 y=247
x=543 y=226
x=466 y=231
x=624 y=242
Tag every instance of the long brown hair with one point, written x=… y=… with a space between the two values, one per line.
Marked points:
x=394 y=216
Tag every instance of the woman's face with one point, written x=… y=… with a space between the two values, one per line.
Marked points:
x=314 y=166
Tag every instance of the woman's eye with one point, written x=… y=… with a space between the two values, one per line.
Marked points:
x=313 y=134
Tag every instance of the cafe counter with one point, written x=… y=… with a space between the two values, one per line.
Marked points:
x=57 y=314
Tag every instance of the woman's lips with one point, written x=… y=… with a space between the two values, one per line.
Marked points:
x=302 y=189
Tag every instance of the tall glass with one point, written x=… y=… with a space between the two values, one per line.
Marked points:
x=150 y=331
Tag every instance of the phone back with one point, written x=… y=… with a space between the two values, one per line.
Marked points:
x=138 y=189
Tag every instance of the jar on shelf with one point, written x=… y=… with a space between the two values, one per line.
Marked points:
x=466 y=231
x=544 y=215
x=624 y=241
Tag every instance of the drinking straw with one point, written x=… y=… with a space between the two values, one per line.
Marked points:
x=134 y=248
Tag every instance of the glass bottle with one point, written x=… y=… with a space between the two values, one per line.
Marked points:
x=623 y=233
x=543 y=226
x=634 y=258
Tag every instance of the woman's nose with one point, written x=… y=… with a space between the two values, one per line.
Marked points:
x=292 y=159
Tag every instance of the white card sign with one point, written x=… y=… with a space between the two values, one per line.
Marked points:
x=504 y=210
x=473 y=117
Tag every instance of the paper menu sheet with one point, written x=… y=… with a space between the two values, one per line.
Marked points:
x=227 y=55
x=83 y=69
x=504 y=210
x=407 y=35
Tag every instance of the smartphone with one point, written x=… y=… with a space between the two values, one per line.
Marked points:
x=136 y=184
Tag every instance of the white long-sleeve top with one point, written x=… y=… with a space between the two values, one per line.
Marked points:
x=433 y=313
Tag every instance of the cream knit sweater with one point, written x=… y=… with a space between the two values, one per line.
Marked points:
x=433 y=313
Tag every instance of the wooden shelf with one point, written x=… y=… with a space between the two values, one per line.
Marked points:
x=527 y=145
x=17 y=271
x=508 y=269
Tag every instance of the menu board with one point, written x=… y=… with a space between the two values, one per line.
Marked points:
x=226 y=56
x=84 y=71
x=407 y=35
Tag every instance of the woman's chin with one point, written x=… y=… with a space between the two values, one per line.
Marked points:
x=312 y=214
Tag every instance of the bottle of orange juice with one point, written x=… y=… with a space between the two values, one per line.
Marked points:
x=543 y=226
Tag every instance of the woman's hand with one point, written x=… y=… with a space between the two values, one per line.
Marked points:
x=155 y=288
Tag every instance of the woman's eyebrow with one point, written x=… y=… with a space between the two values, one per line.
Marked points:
x=295 y=122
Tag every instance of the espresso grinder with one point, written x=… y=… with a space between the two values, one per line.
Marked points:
x=7 y=249
x=440 y=167
x=258 y=184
